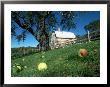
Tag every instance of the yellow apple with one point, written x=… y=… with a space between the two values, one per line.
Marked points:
x=42 y=66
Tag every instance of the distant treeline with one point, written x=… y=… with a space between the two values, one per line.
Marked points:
x=95 y=35
x=22 y=51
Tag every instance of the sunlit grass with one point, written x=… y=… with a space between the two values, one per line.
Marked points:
x=62 y=62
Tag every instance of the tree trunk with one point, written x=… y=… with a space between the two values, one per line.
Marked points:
x=41 y=45
x=46 y=43
x=43 y=37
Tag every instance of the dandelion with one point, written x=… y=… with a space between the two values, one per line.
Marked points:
x=23 y=59
x=43 y=56
x=42 y=66
x=25 y=66
x=13 y=66
x=19 y=68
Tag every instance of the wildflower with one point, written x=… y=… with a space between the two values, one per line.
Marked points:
x=42 y=66
x=42 y=56
x=13 y=66
x=25 y=66
x=19 y=68
x=23 y=59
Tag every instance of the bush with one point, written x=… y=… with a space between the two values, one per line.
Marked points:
x=20 y=52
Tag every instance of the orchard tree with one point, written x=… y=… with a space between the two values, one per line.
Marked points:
x=39 y=24
x=92 y=28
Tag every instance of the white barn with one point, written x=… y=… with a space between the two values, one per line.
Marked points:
x=61 y=38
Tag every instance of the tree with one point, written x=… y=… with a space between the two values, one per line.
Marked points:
x=91 y=27
x=40 y=24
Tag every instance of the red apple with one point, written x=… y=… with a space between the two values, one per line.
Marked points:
x=83 y=52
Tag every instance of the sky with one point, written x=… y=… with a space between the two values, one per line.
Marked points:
x=81 y=20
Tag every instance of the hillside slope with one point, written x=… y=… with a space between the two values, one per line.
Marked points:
x=62 y=62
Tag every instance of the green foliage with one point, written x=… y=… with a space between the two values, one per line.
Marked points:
x=93 y=26
x=67 y=20
x=22 y=51
x=16 y=68
x=62 y=62
x=94 y=35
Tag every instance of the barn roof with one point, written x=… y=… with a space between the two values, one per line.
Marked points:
x=64 y=34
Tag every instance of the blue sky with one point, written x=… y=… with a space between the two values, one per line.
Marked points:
x=81 y=20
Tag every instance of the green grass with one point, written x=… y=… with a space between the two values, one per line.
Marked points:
x=62 y=62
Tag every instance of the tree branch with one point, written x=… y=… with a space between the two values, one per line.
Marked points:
x=24 y=26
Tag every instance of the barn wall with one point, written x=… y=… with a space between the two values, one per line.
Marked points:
x=56 y=42
x=60 y=42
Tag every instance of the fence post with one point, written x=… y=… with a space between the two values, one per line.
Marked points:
x=88 y=36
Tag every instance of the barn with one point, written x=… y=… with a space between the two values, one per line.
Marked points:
x=61 y=38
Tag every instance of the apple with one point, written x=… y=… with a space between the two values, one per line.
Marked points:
x=42 y=66
x=83 y=52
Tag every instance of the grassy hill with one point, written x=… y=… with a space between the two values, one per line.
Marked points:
x=62 y=62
